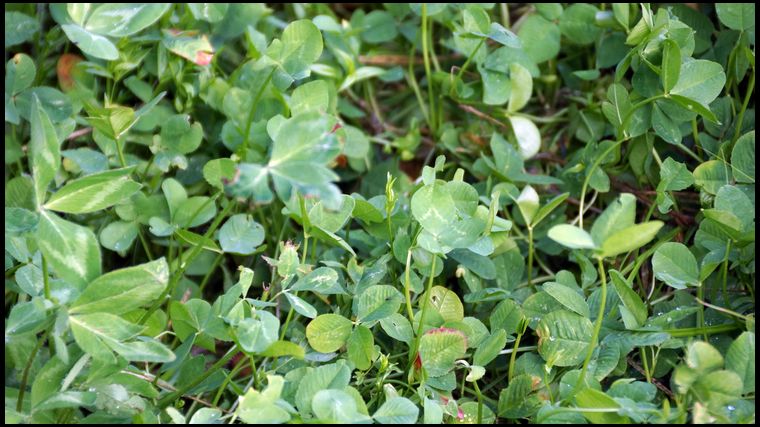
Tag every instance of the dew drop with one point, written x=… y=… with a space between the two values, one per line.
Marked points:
x=731 y=407
x=670 y=319
x=91 y=389
x=551 y=338
x=678 y=308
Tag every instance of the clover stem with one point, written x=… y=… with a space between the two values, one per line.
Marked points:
x=597 y=324
x=513 y=357
x=643 y=355
x=45 y=279
x=725 y=271
x=407 y=286
x=530 y=257
x=25 y=375
x=480 y=401
x=701 y=312
x=747 y=97
x=466 y=64
x=120 y=151
x=252 y=113
x=428 y=74
x=427 y=297
x=596 y=163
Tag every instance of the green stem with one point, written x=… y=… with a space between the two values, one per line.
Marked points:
x=701 y=312
x=466 y=64
x=480 y=401
x=428 y=73
x=740 y=118
x=144 y=244
x=120 y=151
x=171 y=397
x=645 y=362
x=725 y=271
x=427 y=297
x=407 y=287
x=596 y=164
x=25 y=375
x=45 y=279
x=530 y=257
x=709 y=330
x=206 y=278
x=597 y=324
x=513 y=357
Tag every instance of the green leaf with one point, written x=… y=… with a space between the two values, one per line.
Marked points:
x=209 y=12
x=336 y=406
x=378 y=302
x=440 y=348
x=195 y=239
x=70 y=249
x=578 y=23
x=635 y=313
x=178 y=135
x=490 y=348
x=541 y=38
x=335 y=376
x=124 y=19
x=522 y=87
x=630 y=238
x=284 y=348
x=569 y=298
x=671 y=64
x=618 y=215
x=121 y=291
x=360 y=346
x=703 y=357
x=588 y=398
x=397 y=410
x=740 y=358
x=433 y=207
x=675 y=265
x=547 y=208
x=257 y=334
x=94 y=192
x=694 y=106
x=564 y=338
x=323 y=280
x=737 y=16
x=700 y=80
x=241 y=234
x=302 y=307
x=189 y=45
x=444 y=302
x=571 y=236
x=507 y=316
x=264 y=407
x=328 y=332
x=19 y=28
x=90 y=43
x=45 y=152
x=398 y=328
x=743 y=158
x=298 y=48
x=712 y=175
x=219 y=172
x=528 y=203
x=19 y=73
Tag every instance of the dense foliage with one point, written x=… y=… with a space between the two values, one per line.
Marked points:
x=391 y=213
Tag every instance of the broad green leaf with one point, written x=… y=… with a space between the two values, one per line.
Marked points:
x=210 y=12
x=379 y=26
x=360 y=346
x=694 y=106
x=444 y=302
x=631 y=301
x=241 y=234
x=630 y=238
x=90 y=43
x=743 y=158
x=96 y=333
x=433 y=207
x=19 y=220
x=378 y=302
x=740 y=358
x=490 y=348
x=572 y=237
x=114 y=121
x=712 y=175
x=541 y=38
x=737 y=16
x=299 y=47
x=700 y=80
x=19 y=28
x=703 y=357
x=20 y=72
x=588 y=398
x=313 y=95
x=148 y=350
x=620 y=214
x=328 y=332
x=578 y=23
x=398 y=327
x=178 y=135
x=264 y=407
x=323 y=280
x=335 y=376
x=124 y=19
x=300 y=306
x=123 y=290
x=528 y=203
x=397 y=410
x=329 y=219
x=219 y=172
x=518 y=399
x=336 y=406
x=507 y=316
x=94 y=192
x=671 y=64
x=547 y=208
x=189 y=45
x=283 y=348
x=45 y=152
x=257 y=334
x=528 y=136
x=440 y=348
x=522 y=87
x=675 y=265
x=567 y=297
x=564 y=338
x=70 y=249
